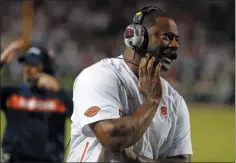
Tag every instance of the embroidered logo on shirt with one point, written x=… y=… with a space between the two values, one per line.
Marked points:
x=164 y=110
x=92 y=111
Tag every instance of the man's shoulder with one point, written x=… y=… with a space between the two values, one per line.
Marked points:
x=97 y=70
x=100 y=72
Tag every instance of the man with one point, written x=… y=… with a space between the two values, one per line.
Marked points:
x=35 y=111
x=123 y=109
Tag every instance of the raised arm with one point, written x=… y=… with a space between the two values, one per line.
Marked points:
x=7 y=55
x=99 y=96
x=10 y=52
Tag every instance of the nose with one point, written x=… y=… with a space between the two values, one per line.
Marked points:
x=174 y=44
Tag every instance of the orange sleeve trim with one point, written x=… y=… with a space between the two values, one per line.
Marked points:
x=85 y=149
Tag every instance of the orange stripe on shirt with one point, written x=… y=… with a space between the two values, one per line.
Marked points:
x=35 y=104
x=85 y=149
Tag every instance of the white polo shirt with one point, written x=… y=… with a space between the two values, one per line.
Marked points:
x=105 y=89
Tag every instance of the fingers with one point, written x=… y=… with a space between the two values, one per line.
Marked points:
x=150 y=66
x=140 y=74
x=48 y=82
x=146 y=67
x=158 y=72
x=40 y=75
x=157 y=81
x=143 y=66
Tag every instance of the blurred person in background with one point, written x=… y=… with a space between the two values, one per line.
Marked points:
x=123 y=109
x=59 y=22
x=35 y=110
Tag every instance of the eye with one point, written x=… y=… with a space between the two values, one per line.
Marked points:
x=166 y=36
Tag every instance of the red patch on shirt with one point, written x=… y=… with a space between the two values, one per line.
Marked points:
x=164 y=110
x=92 y=111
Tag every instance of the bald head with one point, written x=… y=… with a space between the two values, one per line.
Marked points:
x=150 y=18
x=165 y=24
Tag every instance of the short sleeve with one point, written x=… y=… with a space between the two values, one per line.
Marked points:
x=95 y=98
x=182 y=138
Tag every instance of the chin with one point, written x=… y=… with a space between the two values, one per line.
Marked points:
x=165 y=63
x=165 y=67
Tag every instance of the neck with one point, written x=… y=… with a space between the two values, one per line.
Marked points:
x=132 y=59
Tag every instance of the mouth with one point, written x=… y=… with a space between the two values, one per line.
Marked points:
x=172 y=55
x=167 y=58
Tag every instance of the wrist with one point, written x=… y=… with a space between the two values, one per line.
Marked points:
x=3 y=55
x=152 y=101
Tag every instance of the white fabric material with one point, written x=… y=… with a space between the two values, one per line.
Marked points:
x=111 y=85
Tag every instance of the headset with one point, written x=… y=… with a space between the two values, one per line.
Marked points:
x=136 y=35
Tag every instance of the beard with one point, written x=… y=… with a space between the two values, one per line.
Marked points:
x=163 y=51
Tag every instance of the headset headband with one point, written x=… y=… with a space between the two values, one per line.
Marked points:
x=138 y=18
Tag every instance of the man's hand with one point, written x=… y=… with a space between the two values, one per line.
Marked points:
x=10 y=52
x=47 y=81
x=150 y=80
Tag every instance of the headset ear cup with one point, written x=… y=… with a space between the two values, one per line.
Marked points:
x=134 y=36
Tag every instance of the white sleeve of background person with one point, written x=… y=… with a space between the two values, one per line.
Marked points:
x=94 y=88
x=182 y=138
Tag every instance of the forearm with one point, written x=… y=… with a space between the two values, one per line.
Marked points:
x=142 y=118
x=133 y=127
x=3 y=57
x=10 y=51
x=117 y=134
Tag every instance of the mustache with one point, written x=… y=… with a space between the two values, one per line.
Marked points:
x=167 y=52
x=170 y=53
